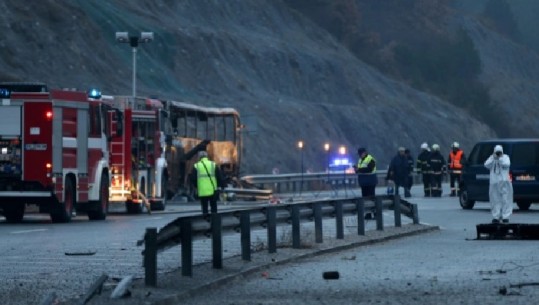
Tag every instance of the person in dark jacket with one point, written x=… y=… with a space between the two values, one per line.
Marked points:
x=437 y=167
x=366 y=172
x=399 y=171
x=423 y=167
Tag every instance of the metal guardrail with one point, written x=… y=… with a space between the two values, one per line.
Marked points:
x=310 y=181
x=294 y=182
x=184 y=230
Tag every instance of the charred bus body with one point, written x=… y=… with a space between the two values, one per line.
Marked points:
x=194 y=128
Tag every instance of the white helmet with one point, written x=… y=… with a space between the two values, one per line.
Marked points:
x=435 y=147
x=455 y=145
x=425 y=146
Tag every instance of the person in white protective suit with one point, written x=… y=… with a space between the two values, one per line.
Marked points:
x=500 y=189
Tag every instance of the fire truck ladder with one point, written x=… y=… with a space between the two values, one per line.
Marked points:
x=118 y=175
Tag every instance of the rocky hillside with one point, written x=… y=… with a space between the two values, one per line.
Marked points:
x=291 y=77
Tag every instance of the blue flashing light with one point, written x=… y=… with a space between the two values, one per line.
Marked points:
x=94 y=93
x=5 y=93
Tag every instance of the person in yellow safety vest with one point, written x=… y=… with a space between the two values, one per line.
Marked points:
x=366 y=173
x=454 y=164
x=206 y=178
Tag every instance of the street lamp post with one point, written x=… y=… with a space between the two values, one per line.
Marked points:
x=300 y=146
x=326 y=148
x=134 y=41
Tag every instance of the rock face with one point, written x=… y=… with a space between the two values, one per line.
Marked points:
x=511 y=72
x=289 y=78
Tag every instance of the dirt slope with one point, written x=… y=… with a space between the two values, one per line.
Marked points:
x=263 y=58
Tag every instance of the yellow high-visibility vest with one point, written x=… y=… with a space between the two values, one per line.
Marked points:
x=206 y=181
x=365 y=162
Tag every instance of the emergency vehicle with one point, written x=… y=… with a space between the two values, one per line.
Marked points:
x=54 y=152
x=139 y=173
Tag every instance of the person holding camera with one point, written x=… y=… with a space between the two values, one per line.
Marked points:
x=500 y=188
x=207 y=180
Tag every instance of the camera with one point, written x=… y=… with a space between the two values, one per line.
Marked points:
x=499 y=153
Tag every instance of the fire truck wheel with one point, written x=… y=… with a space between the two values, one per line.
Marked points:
x=14 y=212
x=133 y=207
x=62 y=211
x=102 y=205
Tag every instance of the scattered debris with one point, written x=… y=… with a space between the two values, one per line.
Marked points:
x=265 y=275
x=349 y=258
x=50 y=299
x=96 y=288
x=80 y=253
x=331 y=275
x=122 y=291
x=520 y=285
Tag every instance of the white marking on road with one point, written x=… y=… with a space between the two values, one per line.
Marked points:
x=144 y=219
x=28 y=231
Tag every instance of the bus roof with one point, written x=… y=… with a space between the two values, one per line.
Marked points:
x=207 y=110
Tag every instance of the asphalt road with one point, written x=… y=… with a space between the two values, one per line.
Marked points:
x=39 y=257
x=443 y=267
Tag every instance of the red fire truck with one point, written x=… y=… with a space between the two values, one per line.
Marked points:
x=54 y=152
x=138 y=166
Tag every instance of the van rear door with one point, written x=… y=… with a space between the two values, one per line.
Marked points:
x=525 y=171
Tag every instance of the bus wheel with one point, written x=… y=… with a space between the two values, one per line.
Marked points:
x=14 y=213
x=62 y=212
x=102 y=206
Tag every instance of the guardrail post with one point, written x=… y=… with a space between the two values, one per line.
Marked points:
x=379 y=215
x=245 y=228
x=339 y=220
x=360 y=206
x=187 y=246
x=217 y=241
x=150 y=257
x=415 y=213
x=397 y=210
x=296 y=242
x=317 y=211
x=272 y=229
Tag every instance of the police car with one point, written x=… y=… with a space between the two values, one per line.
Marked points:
x=341 y=170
